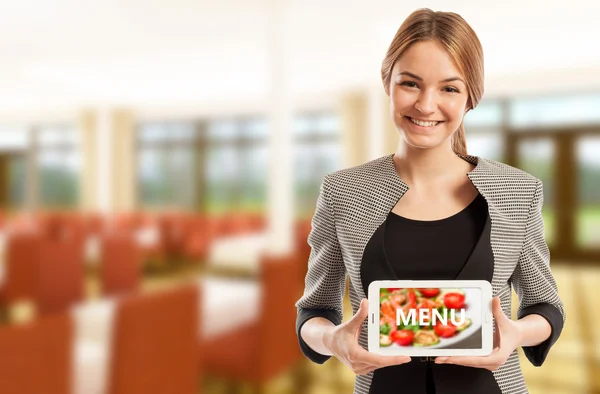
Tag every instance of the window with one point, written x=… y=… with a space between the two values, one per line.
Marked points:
x=167 y=165
x=555 y=111
x=483 y=128
x=317 y=152
x=216 y=166
x=58 y=166
x=236 y=168
x=14 y=145
x=588 y=209
x=45 y=156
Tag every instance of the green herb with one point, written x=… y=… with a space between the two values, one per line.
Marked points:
x=385 y=329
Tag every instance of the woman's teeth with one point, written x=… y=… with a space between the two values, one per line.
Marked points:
x=423 y=124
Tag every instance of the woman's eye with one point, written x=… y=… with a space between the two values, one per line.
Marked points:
x=450 y=89
x=409 y=84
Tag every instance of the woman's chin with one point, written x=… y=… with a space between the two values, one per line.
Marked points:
x=422 y=142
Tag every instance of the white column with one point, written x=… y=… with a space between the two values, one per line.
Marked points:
x=87 y=126
x=280 y=182
x=104 y=159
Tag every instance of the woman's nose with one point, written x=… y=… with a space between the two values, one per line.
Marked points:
x=426 y=103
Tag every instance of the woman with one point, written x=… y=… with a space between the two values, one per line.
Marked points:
x=430 y=211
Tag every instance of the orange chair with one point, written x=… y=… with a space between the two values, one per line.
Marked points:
x=61 y=275
x=196 y=239
x=37 y=357
x=258 y=222
x=154 y=344
x=268 y=347
x=173 y=230
x=22 y=267
x=120 y=264
x=93 y=223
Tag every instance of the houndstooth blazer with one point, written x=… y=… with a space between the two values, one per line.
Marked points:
x=354 y=202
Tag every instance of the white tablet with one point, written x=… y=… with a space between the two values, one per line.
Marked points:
x=430 y=318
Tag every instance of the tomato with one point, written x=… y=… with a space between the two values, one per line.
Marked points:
x=403 y=337
x=429 y=292
x=445 y=330
x=411 y=302
x=454 y=300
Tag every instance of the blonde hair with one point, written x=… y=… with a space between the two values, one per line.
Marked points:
x=455 y=35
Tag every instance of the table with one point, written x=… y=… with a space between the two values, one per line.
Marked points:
x=239 y=253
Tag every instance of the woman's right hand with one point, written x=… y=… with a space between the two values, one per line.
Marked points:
x=342 y=342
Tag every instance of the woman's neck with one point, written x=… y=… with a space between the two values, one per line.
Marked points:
x=417 y=166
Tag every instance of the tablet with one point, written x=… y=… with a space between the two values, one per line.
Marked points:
x=430 y=318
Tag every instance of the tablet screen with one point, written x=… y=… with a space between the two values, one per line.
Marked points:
x=440 y=318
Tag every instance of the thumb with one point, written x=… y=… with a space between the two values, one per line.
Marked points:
x=360 y=316
x=497 y=311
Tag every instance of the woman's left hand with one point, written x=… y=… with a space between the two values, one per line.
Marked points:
x=506 y=339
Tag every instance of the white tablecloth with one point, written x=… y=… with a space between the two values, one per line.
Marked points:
x=240 y=252
x=93 y=334
x=226 y=305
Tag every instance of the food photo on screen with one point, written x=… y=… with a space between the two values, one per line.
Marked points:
x=439 y=318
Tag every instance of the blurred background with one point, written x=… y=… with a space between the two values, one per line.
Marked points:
x=160 y=164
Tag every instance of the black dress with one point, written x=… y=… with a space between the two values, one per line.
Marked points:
x=423 y=250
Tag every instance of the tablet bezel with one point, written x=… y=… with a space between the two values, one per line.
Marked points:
x=486 y=317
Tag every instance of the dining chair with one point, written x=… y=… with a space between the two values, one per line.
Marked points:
x=120 y=264
x=36 y=357
x=155 y=337
x=61 y=276
x=260 y=351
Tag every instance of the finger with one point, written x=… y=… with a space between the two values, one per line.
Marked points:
x=355 y=323
x=497 y=311
x=458 y=360
x=361 y=314
x=378 y=360
x=479 y=361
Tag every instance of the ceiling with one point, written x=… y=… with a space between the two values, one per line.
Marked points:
x=66 y=53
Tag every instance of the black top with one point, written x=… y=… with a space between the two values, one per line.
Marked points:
x=408 y=246
x=453 y=248
x=435 y=249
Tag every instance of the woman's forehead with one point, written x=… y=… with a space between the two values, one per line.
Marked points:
x=428 y=60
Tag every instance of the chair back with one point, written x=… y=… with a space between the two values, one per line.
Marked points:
x=155 y=343
x=37 y=357
x=61 y=275
x=120 y=264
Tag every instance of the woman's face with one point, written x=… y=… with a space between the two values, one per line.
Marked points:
x=426 y=87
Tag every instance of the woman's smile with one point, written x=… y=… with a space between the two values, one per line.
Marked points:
x=423 y=125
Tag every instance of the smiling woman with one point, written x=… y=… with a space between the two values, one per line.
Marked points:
x=424 y=97
x=430 y=211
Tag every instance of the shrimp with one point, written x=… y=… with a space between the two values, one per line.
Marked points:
x=390 y=322
x=387 y=309
x=426 y=338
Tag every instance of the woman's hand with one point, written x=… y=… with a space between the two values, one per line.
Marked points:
x=342 y=342
x=506 y=339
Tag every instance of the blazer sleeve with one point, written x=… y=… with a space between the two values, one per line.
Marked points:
x=533 y=281
x=325 y=280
